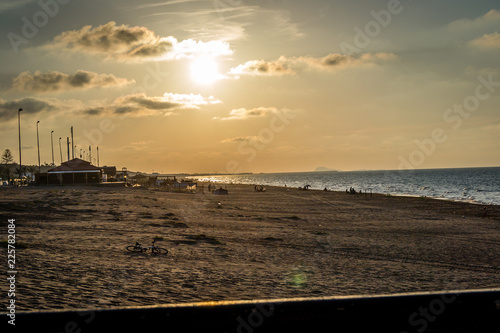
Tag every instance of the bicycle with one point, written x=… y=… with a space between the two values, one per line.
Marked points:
x=153 y=248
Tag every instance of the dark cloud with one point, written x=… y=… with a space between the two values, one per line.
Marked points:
x=125 y=43
x=53 y=81
x=93 y=111
x=290 y=66
x=106 y=38
x=153 y=103
x=156 y=49
x=8 y=109
x=140 y=105
x=334 y=60
x=261 y=67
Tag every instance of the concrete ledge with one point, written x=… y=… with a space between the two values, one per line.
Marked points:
x=450 y=311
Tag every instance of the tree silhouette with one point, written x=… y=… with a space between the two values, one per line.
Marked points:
x=7 y=157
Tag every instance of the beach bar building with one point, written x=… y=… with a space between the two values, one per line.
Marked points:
x=75 y=171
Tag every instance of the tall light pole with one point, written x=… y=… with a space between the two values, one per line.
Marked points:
x=60 y=149
x=38 y=145
x=72 y=144
x=67 y=144
x=97 y=156
x=52 y=145
x=19 y=124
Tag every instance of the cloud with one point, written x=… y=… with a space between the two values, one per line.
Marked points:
x=140 y=105
x=8 y=109
x=487 y=41
x=242 y=113
x=240 y=139
x=56 y=81
x=136 y=105
x=264 y=68
x=134 y=44
x=191 y=101
x=292 y=65
x=488 y=20
x=12 y=4
x=106 y=38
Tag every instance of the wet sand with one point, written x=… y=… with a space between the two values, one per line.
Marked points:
x=258 y=245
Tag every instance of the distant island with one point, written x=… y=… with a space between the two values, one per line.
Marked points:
x=323 y=169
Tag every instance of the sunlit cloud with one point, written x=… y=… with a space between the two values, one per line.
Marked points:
x=140 y=105
x=487 y=41
x=53 y=81
x=192 y=101
x=263 y=68
x=242 y=113
x=134 y=44
x=189 y=48
x=240 y=139
x=289 y=66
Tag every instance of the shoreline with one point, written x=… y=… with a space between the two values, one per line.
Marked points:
x=105 y=186
x=476 y=185
x=368 y=193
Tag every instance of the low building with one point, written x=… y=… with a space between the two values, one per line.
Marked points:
x=108 y=173
x=75 y=171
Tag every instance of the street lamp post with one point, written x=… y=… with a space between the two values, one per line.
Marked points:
x=60 y=149
x=52 y=145
x=19 y=124
x=38 y=145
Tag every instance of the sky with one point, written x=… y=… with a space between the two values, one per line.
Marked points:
x=225 y=86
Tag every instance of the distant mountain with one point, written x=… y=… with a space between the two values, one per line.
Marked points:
x=322 y=169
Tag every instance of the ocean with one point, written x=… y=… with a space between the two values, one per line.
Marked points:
x=475 y=185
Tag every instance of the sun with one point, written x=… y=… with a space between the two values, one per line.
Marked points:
x=205 y=70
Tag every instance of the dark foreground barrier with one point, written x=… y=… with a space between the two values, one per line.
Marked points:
x=458 y=311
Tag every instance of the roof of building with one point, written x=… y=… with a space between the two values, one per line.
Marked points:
x=75 y=165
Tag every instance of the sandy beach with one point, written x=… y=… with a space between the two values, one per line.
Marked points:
x=255 y=245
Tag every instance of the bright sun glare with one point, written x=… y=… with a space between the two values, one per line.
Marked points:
x=205 y=70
